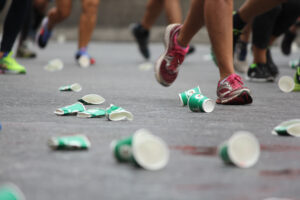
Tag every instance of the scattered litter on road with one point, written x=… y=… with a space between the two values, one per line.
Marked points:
x=143 y=149
x=71 y=109
x=92 y=99
x=73 y=87
x=242 y=150
x=73 y=142
x=201 y=103
x=115 y=113
x=288 y=84
x=146 y=66
x=288 y=128
x=84 y=61
x=92 y=113
x=61 y=38
x=184 y=96
x=10 y=191
x=54 y=65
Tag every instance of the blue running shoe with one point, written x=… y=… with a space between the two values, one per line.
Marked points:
x=44 y=34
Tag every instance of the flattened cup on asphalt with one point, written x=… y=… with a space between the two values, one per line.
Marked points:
x=242 y=150
x=294 y=130
x=54 y=65
x=92 y=113
x=74 y=87
x=184 y=96
x=200 y=103
x=92 y=99
x=11 y=192
x=73 y=142
x=71 y=109
x=84 y=61
x=115 y=113
x=286 y=84
x=143 y=149
x=281 y=129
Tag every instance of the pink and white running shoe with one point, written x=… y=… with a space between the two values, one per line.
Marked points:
x=231 y=91
x=167 y=66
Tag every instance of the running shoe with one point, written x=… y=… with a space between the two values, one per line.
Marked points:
x=23 y=51
x=240 y=58
x=273 y=69
x=259 y=72
x=167 y=66
x=83 y=58
x=9 y=65
x=44 y=34
x=192 y=49
x=141 y=36
x=231 y=91
x=287 y=41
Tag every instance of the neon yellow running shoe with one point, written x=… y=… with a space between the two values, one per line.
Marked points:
x=10 y=65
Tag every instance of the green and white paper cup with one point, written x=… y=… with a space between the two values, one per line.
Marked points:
x=115 y=113
x=184 y=96
x=70 y=110
x=294 y=63
x=288 y=84
x=282 y=128
x=200 y=103
x=11 y=192
x=54 y=65
x=72 y=142
x=241 y=150
x=143 y=149
x=92 y=113
x=74 y=87
x=92 y=99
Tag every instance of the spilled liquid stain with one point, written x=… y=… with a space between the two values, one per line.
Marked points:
x=196 y=150
x=279 y=148
x=279 y=173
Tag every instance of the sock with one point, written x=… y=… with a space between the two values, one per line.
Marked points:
x=238 y=23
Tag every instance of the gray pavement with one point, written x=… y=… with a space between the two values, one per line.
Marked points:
x=194 y=172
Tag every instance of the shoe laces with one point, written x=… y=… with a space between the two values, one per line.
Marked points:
x=235 y=81
x=177 y=56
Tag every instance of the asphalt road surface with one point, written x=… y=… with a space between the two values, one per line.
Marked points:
x=193 y=172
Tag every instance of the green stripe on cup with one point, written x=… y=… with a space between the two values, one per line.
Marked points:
x=200 y=103
x=123 y=150
x=184 y=96
x=223 y=153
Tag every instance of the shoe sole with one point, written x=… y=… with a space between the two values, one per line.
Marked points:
x=161 y=58
x=260 y=80
x=240 y=99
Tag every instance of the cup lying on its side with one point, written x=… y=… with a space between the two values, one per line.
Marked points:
x=115 y=113
x=71 y=142
x=92 y=113
x=142 y=149
x=288 y=128
x=200 y=103
x=184 y=96
x=54 y=65
x=10 y=191
x=242 y=150
x=288 y=84
x=71 y=109
x=92 y=99
x=73 y=87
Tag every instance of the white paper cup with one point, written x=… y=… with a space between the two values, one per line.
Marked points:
x=286 y=84
x=294 y=130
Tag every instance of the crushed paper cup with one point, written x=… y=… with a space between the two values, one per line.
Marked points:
x=143 y=149
x=71 y=109
x=115 y=113
x=92 y=99
x=10 y=191
x=71 y=142
x=200 y=103
x=74 y=87
x=92 y=113
x=242 y=150
x=286 y=84
x=184 y=96
x=281 y=129
x=84 y=61
x=54 y=65
x=146 y=66
x=294 y=130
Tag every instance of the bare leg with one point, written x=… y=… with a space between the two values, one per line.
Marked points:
x=173 y=11
x=59 y=13
x=88 y=21
x=153 y=10
x=246 y=33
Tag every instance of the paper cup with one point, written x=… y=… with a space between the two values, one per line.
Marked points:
x=201 y=103
x=84 y=61
x=115 y=113
x=74 y=87
x=184 y=96
x=281 y=129
x=92 y=113
x=294 y=130
x=92 y=99
x=242 y=150
x=70 y=110
x=144 y=149
x=286 y=84
x=54 y=65
x=10 y=191
x=69 y=142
